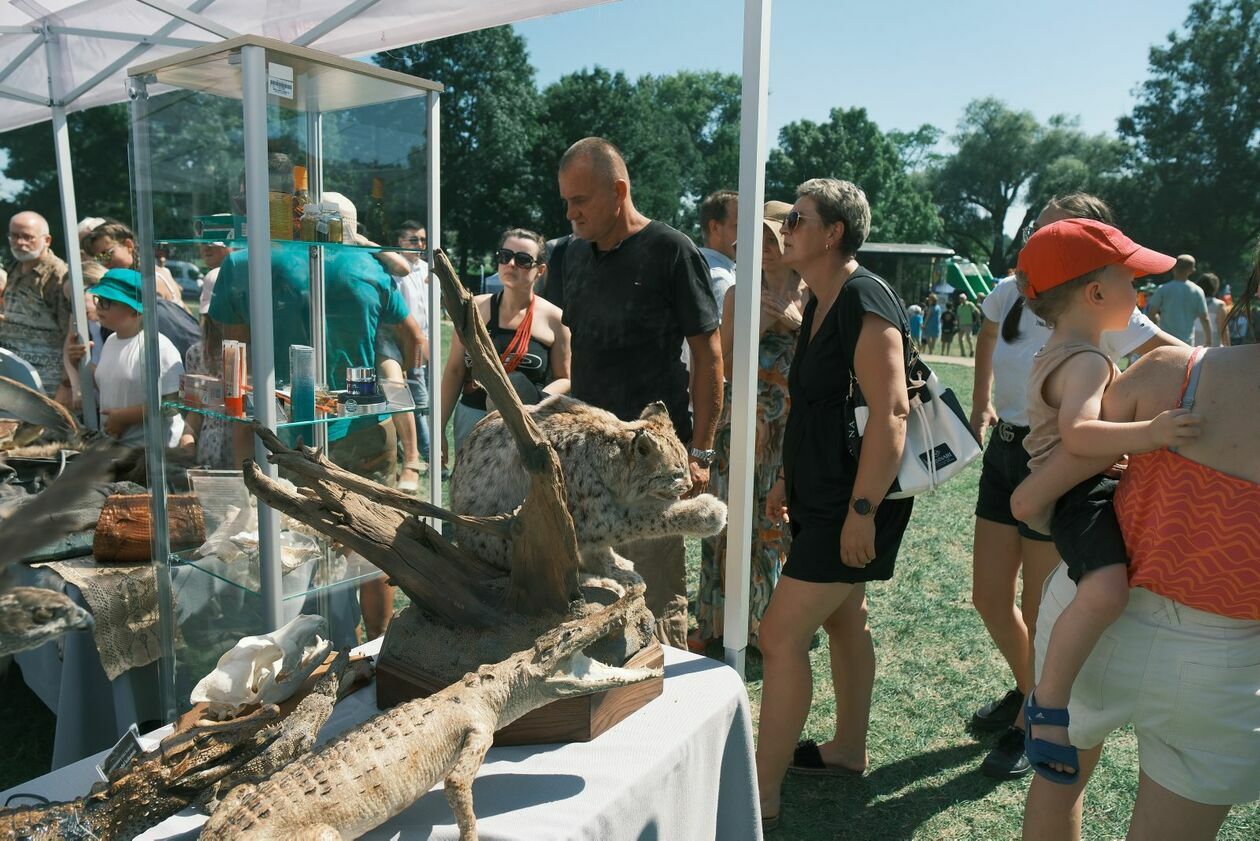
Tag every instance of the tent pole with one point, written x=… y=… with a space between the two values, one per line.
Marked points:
x=437 y=435
x=69 y=219
x=752 y=194
x=261 y=345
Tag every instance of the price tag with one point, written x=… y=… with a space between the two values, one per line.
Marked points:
x=121 y=754
x=280 y=80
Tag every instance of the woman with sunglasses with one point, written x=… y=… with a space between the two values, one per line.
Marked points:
x=844 y=532
x=113 y=245
x=526 y=330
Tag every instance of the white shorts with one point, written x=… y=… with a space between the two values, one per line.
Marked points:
x=1188 y=680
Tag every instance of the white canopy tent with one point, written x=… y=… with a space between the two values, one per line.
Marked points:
x=58 y=57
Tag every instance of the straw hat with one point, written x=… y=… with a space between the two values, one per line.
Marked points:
x=772 y=216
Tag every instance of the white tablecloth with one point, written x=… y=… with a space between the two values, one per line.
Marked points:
x=680 y=768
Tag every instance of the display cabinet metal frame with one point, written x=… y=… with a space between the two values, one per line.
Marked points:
x=204 y=69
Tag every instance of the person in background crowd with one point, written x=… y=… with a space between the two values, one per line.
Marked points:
x=915 y=313
x=1003 y=547
x=949 y=327
x=527 y=330
x=931 y=324
x=399 y=365
x=414 y=287
x=968 y=316
x=782 y=308
x=120 y=374
x=719 y=217
x=1179 y=663
x=207 y=439
x=633 y=290
x=70 y=390
x=1241 y=321
x=212 y=254
x=37 y=314
x=844 y=532
x=1179 y=304
x=1218 y=335
x=113 y=245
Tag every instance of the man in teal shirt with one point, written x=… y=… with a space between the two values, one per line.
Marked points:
x=1179 y=303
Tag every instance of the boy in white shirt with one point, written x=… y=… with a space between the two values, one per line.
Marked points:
x=120 y=372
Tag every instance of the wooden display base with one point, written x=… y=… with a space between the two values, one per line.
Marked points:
x=566 y=720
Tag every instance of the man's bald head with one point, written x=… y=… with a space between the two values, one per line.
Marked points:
x=1184 y=266
x=602 y=155
x=27 y=218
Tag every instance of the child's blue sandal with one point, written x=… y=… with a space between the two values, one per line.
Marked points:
x=1041 y=752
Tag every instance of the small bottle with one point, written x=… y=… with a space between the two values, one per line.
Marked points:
x=308 y=223
x=301 y=198
x=330 y=224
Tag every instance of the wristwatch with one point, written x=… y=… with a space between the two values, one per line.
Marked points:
x=703 y=457
x=862 y=507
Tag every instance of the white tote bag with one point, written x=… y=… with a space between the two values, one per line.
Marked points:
x=939 y=440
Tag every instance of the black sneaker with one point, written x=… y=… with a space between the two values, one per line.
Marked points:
x=998 y=715
x=1007 y=761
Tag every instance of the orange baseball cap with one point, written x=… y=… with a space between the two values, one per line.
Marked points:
x=1069 y=248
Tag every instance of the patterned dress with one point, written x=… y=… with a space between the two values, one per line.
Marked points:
x=214 y=441
x=770 y=541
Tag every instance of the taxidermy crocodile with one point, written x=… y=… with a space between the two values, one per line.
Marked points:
x=189 y=767
x=375 y=771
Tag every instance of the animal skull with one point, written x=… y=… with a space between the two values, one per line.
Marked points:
x=265 y=669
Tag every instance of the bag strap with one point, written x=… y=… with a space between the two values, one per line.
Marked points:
x=910 y=351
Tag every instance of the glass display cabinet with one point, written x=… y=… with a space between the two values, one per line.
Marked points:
x=298 y=166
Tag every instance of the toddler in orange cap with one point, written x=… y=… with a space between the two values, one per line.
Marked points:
x=1077 y=275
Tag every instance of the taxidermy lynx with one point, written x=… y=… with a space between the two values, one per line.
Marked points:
x=624 y=481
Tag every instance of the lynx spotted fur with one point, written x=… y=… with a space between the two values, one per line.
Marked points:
x=624 y=481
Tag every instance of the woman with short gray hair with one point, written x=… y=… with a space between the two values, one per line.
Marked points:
x=844 y=532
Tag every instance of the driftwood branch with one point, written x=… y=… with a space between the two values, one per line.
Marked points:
x=433 y=572
x=544 y=543
x=310 y=462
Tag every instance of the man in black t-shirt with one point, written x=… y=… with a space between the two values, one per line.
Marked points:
x=632 y=290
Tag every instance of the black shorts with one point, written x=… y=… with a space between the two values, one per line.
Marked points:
x=1086 y=531
x=815 y=552
x=1005 y=466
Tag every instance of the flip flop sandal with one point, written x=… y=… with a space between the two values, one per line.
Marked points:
x=807 y=759
x=769 y=824
x=1041 y=752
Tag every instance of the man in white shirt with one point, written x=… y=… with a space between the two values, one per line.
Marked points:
x=414 y=287
x=1179 y=303
x=719 y=214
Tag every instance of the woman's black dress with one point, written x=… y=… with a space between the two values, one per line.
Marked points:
x=817 y=464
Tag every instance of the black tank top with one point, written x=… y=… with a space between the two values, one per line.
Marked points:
x=535 y=365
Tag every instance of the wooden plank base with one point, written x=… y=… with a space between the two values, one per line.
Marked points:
x=566 y=720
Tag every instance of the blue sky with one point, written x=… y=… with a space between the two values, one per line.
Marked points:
x=906 y=62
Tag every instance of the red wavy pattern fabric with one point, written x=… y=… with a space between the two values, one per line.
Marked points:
x=1193 y=533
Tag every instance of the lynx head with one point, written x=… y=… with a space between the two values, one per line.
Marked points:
x=654 y=461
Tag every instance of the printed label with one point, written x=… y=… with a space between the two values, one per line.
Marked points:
x=280 y=80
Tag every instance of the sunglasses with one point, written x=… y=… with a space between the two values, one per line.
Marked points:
x=1027 y=232
x=793 y=220
x=522 y=259
x=102 y=303
x=105 y=256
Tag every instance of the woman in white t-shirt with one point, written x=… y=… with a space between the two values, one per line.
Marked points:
x=1010 y=336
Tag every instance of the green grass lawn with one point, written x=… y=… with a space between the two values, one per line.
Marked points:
x=936 y=665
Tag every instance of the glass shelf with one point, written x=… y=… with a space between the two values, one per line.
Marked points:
x=314 y=576
x=290 y=243
x=390 y=410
